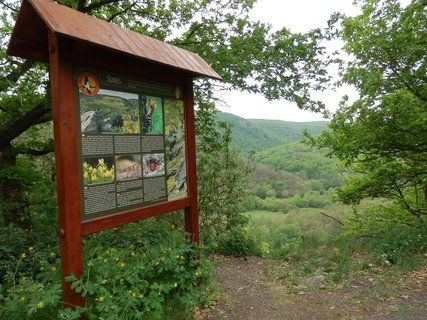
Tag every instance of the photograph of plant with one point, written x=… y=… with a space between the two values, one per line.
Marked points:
x=151 y=109
x=98 y=170
x=109 y=112
x=128 y=167
x=153 y=164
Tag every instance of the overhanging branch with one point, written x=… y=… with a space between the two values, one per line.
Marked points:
x=37 y=115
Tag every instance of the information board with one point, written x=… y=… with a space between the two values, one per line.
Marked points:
x=131 y=142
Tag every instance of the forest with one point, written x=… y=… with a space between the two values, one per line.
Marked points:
x=345 y=197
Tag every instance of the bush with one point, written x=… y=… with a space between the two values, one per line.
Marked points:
x=237 y=242
x=149 y=273
x=17 y=245
x=286 y=238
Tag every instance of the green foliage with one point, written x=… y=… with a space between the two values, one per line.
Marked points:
x=285 y=239
x=221 y=177
x=24 y=253
x=40 y=201
x=298 y=158
x=140 y=271
x=381 y=137
x=396 y=234
x=291 y=176
x=283 y=65
x=256 y=135
x=278 y=235
x=237 y=242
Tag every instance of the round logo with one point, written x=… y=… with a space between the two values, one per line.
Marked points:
x=88 y=84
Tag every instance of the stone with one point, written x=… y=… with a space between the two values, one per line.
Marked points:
x=314 y=281
x=90 y=122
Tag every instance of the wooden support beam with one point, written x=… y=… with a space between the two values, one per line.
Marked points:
x=191 y=212
x=67 y=164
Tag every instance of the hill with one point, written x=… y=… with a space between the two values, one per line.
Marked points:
x=258 y=135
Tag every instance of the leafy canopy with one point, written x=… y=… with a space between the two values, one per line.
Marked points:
x=247 y=54
x=382 y=136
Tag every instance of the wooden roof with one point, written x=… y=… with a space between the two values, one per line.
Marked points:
x=36 y=17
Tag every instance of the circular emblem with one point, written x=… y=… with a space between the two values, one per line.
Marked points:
x=88 y=84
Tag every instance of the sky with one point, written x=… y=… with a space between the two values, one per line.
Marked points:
x=298 y=16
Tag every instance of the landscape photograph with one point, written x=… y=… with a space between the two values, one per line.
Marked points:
x=109 y=112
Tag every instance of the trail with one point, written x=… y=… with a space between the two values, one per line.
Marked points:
x=252 y=289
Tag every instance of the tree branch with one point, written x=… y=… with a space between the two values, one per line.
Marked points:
x=330 y=217
x=47 y=148
x=81 y=5
x=113 y=16
x=37 y=115
x=9 y=7
x=97 y=5
x=17 y=73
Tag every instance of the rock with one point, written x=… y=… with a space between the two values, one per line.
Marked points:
x=90 y=122
x=314 y=281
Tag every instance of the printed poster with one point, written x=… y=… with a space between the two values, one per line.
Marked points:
x=132 y=142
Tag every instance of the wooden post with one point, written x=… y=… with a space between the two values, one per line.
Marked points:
x=191 y=212
x=67 y=164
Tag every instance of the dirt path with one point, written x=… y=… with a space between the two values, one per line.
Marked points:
x=251 y=289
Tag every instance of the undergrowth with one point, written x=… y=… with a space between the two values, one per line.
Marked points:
x=143 y=270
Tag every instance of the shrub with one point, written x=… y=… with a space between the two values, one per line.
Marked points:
x=286 y=238
x=150 y=272
x=237 y=242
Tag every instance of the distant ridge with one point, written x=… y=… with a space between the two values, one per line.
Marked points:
x=258 y=135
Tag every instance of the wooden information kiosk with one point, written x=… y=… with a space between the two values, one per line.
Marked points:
x=123 y=115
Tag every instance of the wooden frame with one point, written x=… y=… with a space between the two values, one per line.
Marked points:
x=62 y=59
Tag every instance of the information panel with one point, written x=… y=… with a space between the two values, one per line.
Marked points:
x=131 y=142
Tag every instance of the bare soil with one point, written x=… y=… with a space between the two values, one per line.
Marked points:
x=253 y=288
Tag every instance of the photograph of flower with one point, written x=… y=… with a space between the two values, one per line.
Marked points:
x=98 y=170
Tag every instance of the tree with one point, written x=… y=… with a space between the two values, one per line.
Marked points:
x=222 y=178
x=382 y=136
x=247 y=54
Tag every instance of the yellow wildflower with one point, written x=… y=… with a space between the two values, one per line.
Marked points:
x=175 y=285
x=40 y=305
x=23 y=255
x=100 y=299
